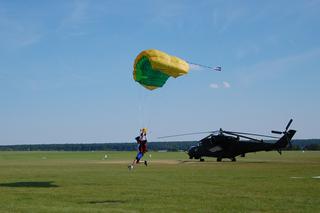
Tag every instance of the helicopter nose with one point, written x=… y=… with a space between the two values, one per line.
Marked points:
x=191 y=152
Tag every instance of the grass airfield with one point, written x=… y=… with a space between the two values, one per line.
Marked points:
x=86 y=182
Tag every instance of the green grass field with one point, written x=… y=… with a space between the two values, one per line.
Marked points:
x=85 y=182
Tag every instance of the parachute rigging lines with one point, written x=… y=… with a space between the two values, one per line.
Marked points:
x=200 y=67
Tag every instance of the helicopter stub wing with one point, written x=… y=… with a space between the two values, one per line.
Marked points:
x=215 y=149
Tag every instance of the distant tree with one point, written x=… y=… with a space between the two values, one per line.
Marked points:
x=312 y=147
x=310 y=144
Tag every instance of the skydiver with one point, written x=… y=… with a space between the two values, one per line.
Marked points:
x=142 y=148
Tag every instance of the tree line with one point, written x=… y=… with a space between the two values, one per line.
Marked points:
x=303 y=144
x=152 y=146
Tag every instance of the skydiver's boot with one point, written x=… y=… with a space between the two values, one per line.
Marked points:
x=130 y=167
x=146 y=163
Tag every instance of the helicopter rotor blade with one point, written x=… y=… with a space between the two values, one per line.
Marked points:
x=276 y=132
x=242 y=136
x=194 y=133
x=253 y=134
x=288 y=125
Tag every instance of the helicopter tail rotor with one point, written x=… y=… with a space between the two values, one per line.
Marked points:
x=288 y=125
x=285 y=132
x=276 y=132
x=286 y=129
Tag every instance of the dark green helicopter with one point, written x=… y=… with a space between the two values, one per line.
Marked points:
x=227 y=144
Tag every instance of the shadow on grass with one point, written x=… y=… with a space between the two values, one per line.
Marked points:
x=222 y=162
x=107 y=202
x=36 y=184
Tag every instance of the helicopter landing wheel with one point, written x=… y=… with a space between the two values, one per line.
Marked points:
x=201 y=159
x=219 y=159
x=233 y=159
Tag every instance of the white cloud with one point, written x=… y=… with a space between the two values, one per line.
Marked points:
x=79 y=12
x=224 y=18
x=248 y=49
x=214 y=86
x=16 y=32
x=169 y=14
x=71 y=24
x=226 y=84
x=270 y=69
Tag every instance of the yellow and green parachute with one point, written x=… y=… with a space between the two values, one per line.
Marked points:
x=152 y=68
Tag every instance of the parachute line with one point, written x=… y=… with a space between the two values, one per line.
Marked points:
x=205 y=66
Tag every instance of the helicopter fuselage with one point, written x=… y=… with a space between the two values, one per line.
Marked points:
x=223 y=146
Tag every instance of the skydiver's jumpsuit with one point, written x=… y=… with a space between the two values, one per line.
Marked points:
x=142 y=141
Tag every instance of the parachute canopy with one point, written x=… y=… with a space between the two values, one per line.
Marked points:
x=152 y=68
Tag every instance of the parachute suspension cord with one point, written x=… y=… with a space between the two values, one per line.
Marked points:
x=195 y=66
x=143 y=108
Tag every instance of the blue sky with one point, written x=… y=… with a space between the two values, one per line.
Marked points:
x=66 y=68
